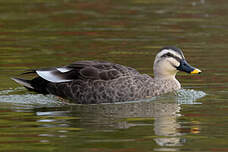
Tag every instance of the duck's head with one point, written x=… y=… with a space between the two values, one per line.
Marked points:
x=169 y=61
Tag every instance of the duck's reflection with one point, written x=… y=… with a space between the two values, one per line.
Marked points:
x=163 y=113
x=163 y=118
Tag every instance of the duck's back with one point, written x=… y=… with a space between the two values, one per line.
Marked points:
x=97 y=70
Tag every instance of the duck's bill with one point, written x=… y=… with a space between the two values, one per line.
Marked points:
x=184 y=66
x=196 y=71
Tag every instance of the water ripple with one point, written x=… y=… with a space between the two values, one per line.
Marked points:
x=189 y=96
x=182 y=96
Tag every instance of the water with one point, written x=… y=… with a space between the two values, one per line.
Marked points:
x=47 y=33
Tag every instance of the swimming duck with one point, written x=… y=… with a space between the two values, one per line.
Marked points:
x=88 y=82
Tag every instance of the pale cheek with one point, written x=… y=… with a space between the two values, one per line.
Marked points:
x=175 y=62
x=168 y=66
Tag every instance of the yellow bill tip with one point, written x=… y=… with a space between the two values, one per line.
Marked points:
x=196 y=71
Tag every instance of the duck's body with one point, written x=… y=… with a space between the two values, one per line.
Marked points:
x=114 y=83
x=89 y=82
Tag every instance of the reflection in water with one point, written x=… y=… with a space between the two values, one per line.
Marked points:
x=164 y=117
x=160 y=113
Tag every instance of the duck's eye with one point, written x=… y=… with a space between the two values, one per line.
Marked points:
x=171 y=55
x=167 y=55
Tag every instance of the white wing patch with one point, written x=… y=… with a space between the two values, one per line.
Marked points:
x=52 y=76
x=63 y=69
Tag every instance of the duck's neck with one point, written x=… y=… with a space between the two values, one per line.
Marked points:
x=161 y=73
x=170 y=81
x=167 y=77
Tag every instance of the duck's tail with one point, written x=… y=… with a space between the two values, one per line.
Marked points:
x=25 y=83
x=37 y=84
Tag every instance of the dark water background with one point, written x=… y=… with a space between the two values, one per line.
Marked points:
x=43 y=33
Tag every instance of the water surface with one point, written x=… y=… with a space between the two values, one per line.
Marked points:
x=35 y=34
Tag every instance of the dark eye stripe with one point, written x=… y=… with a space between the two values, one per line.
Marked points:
x=171 y=55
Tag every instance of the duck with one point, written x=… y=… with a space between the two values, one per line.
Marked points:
x=94 y=82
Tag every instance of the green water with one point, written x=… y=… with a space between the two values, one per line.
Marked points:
x=43 y=33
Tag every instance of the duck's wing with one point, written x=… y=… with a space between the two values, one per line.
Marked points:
x=94 y=70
